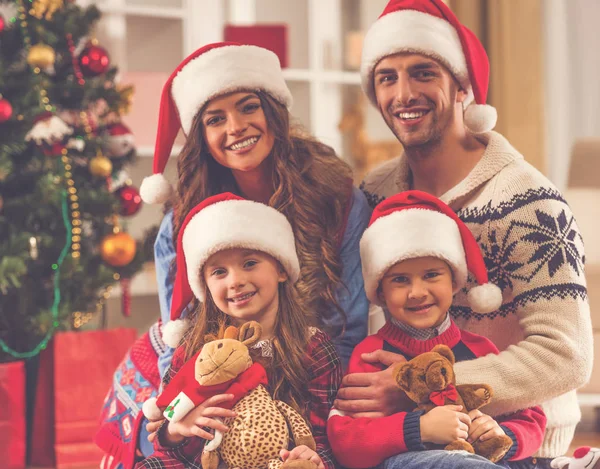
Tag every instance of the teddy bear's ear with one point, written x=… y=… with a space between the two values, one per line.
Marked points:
x=250 y=332
x=403 y=375
x=444 y=351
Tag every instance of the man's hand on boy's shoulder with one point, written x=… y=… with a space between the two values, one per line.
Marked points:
x=373 y=394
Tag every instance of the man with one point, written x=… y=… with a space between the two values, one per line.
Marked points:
x=428 y=76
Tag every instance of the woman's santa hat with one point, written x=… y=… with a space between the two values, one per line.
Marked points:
x=416 y=224
x=430 y=28
x=221 y=222
x=210 y=71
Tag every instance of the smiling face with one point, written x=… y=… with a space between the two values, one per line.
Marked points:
x=418 y=292
x=236 y=132
x=244 y=284
x=418 y=97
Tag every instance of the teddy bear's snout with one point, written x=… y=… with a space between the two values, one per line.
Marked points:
x=437 y=376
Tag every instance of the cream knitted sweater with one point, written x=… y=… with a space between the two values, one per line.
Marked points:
x=534 y=252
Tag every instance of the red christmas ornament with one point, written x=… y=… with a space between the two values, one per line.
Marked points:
x=94 y=61
x=6 y=110
x=131 y=202
x=2 y=23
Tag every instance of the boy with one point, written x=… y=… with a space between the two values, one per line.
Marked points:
x=416 y=254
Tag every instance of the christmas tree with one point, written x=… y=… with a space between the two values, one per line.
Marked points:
x=63 y=188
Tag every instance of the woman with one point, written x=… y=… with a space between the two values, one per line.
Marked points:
x=232 y=103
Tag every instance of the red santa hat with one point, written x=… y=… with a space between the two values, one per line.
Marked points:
x=221 y=222
x=210 y=71
x=430 y=28
x=416 y=224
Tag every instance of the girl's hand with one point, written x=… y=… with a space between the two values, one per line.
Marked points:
x=194 y=423
x=302 y=452
x=151 y=427
x=444 y=424
x=483 y=427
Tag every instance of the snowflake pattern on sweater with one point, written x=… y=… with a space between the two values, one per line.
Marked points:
x=534 y=252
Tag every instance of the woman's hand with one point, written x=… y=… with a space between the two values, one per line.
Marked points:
x=444 y=424
x=302 y=452
x=200 y=421
x=483 y=427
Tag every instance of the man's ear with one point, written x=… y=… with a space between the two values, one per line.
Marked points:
x=403 y=375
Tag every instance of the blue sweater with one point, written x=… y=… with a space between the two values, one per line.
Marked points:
x=351 y=296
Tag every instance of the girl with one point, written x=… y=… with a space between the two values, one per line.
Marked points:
x=243 y=269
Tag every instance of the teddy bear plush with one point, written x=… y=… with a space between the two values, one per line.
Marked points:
x=429 y=381
x=262 y=426
x=583 y=458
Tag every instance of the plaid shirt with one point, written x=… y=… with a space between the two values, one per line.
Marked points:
x=325 y=373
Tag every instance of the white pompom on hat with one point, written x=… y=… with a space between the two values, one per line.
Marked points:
x=220 y=222
x=208 y=72
x=430 y=28
x=416 y=224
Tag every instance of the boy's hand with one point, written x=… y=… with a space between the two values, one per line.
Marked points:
x=444 y=424
x=483 y=427
x=373 y=394
x=302 y=452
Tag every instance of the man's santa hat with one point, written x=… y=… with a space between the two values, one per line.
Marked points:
x=224 y=221
x=210 y=71
x=416 y=224
x=430 y=28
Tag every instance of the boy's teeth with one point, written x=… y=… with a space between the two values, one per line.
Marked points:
x=244 y=144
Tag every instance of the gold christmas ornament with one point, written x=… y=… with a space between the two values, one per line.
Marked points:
x=41 y=56
x=126 y=98
x=100 y=166
x=118 y=249
x=45 y=8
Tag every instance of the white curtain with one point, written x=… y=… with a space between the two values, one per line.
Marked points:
x=572 y=87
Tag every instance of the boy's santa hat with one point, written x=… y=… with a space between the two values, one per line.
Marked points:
x=210 y=71
x=416 y=224
x=224 y=221
x=430 y=28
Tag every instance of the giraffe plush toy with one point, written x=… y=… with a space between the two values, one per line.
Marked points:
x=261 y=428
x=583 y=458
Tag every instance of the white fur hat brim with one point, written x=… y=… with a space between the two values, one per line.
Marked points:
x=416 y=32
x=408 y=234
x=226 y=69
x=237 y=224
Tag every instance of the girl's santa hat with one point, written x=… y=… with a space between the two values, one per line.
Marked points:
x=210 y=71
x=416 y=224
x=221 y=222
x=430 y=28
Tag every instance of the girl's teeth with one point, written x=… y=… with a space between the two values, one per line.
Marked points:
x=242 y=298
x=244 y=144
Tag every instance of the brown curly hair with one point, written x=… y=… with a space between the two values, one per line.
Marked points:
x=311 y=187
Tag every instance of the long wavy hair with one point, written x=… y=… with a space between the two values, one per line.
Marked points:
x=311 y=187
x=287 y=370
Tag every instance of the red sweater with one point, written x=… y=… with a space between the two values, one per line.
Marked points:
x=367 y=442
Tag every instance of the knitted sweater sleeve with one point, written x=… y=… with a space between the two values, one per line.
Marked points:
x=534 y=252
